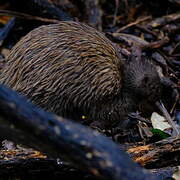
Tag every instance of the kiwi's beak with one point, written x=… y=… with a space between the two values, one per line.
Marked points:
x=176 y=131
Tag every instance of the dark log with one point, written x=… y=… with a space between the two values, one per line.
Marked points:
x=20 y=162
x=37 y=169
x=18 y=136
x=141 y=154
x=17 y=161
x=84 y=147
x=157 y=155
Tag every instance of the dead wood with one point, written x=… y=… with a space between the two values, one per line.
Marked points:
x=27 y=16
x=20 y=162
x=157 y=155
x=84 y=147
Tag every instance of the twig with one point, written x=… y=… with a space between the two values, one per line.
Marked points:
x=27 y=16
x=156 y=44
x=169 y=119
x=133 y=23
x=116 y=11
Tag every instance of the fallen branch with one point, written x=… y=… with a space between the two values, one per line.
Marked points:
x=133 y=23
x=157 y=155
x=82 y=146
x=20 y=162
x=27 y=16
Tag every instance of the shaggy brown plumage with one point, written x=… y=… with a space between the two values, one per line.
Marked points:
x=72 y=69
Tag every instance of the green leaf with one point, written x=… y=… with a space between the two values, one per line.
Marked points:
x=160 y=134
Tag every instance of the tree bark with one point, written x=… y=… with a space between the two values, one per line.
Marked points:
x=81 y=145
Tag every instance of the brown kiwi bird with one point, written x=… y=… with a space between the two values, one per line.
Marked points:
x=72 y=69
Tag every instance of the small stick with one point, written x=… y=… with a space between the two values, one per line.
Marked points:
x=168 y=117
x=133 y=23
x=27 y=16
